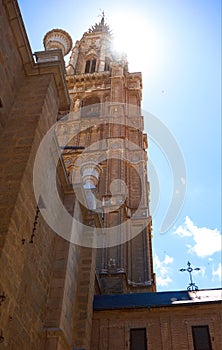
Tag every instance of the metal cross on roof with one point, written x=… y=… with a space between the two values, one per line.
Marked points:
x=189 y=269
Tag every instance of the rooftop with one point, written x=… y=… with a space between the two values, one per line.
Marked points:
x=154 y=300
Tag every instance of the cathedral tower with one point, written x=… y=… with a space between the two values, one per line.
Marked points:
x=105 y=120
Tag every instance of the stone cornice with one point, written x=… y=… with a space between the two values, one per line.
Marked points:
x=78 y=78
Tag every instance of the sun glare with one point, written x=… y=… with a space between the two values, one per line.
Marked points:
x=135 y=36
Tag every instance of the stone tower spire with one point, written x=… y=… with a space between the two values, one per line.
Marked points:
x=93 y=52
x=107 y=121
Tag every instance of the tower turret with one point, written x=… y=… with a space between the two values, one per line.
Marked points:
x=58 y=39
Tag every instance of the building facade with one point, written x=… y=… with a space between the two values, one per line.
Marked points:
x=64 y=286
x=161 y=320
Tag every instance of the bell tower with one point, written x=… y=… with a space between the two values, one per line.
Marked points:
x=105 y=119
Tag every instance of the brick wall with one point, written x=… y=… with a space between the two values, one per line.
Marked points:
x=166 y=328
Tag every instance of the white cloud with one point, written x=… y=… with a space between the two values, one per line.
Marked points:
x=163 y=281
x=201 y=272
x=162 y=270
x=218 y=272
x=168 y=260
x=206 y=241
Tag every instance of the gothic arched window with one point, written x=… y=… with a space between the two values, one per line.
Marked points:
x=107 y=64
x=90 y=66
x=87 y=66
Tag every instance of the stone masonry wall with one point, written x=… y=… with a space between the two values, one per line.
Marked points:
x=11 y=68
x=39 y=279
x=28 y=268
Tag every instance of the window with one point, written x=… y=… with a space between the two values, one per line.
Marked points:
x=138 y=339
x=87 y=67
x=90 y=66
x=107 y=64
x=93 y=66
x=201 y=338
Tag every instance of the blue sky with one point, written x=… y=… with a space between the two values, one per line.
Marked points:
x=177 y=47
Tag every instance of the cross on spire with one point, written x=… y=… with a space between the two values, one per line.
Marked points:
x=102 y=14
